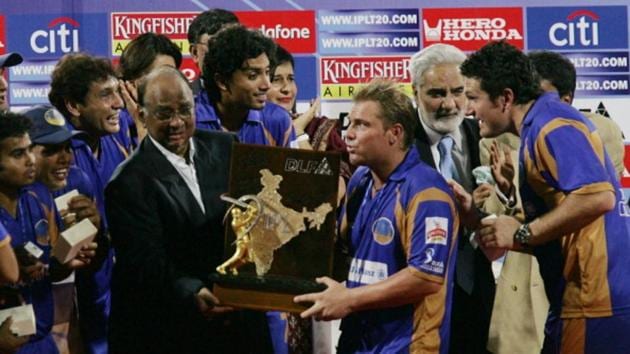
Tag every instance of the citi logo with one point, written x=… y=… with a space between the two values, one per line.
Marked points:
x=63 y=39
x=581 y=28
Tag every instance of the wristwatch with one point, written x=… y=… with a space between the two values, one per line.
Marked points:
x=523 y=234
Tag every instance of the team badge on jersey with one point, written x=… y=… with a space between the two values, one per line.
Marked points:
x=41 y=232
x=436 y=230
x=383 y=231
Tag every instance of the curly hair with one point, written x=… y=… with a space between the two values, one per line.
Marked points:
x=140 y=53
x=209 y=22
x=73 y=76
x=499 y=65
x=227 y=52
x=396 y=106
x=13 y=125
x=555 y=68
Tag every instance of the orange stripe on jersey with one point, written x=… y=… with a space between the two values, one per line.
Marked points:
x=287 y=135
x=5 y=242
x=573 y=336
x=270 y=139
x=586 y=272
x=545 y=160
x=429 y=313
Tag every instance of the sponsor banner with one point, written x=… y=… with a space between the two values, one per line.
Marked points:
x=28 y=94
x=342 y=77
x=52 y=36
x=126 y=26
x=368 y=20
x=589 y=27
x=593 y=62
x=471 y=28
x=32 y=71
x=347 y=91
x=306 y=77
x=369 y=43
x=346 y=70
x=602 y=85
x=293 y=30
x=3 y=39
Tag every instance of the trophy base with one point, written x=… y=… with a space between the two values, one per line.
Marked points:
x=269 y=293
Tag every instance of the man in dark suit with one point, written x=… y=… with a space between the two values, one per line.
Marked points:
x=450 y=143
x=166 y=225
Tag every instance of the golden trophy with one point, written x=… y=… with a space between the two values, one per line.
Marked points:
x=281 y=236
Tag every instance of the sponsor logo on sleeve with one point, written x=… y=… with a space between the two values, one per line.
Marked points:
x=470 y=29
x=436 y=230
x=431 y=265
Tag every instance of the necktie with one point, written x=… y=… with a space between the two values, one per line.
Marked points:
x=447 y=166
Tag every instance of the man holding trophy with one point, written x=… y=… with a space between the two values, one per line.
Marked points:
x=401 y=224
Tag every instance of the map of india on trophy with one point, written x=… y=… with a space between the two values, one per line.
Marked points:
x=280 y=226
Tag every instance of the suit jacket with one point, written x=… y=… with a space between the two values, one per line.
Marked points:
x=470 y=312
x=165 y=248
x=520 y=304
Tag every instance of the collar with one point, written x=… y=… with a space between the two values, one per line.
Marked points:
x=411 y=159
x=540 y=101
x=435 y=137
x=172 y=156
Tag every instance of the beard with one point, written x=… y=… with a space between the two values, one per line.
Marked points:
x=440 y=121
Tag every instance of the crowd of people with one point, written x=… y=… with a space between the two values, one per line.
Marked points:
x=487 y=163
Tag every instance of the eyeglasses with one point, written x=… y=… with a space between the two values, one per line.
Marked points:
x=166 y=114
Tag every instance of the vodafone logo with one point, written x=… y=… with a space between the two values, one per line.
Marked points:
x=281 y=32
x=581 y=28
x=293 y=30
x=62 y=36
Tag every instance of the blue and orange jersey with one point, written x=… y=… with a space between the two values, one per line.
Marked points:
x=269 y=126
x=5 y=238
x=411 y=222
x=585 y=272
x=100 y=165
x=35 y=221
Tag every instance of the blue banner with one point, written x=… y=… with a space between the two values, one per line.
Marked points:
x=602 y=85
x=599 y=62
x=369 y=43
x=52 y=36
x=592 y=27
x=26 y=94
x=368 y=20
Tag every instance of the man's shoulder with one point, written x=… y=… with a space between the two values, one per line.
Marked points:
x=272 y=112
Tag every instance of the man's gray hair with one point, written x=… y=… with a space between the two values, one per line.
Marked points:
x=433 y=55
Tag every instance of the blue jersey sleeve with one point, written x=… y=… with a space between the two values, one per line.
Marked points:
x=571 y=157
x=431 y=227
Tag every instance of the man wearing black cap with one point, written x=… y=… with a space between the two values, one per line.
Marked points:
x=6 y=60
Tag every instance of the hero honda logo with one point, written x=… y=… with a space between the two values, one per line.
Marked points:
x=62 y=36
x=578 y=27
